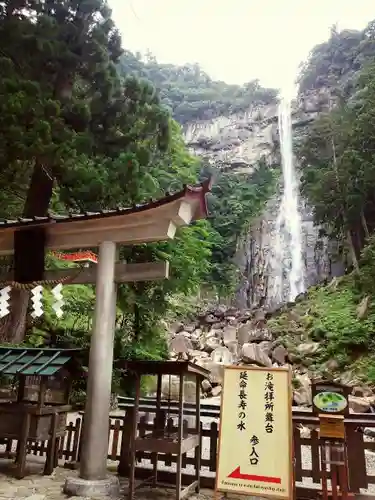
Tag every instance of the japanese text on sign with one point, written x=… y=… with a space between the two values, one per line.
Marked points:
x=256 y=420
x=242 y=405
x=269 y=398
x=254 y=457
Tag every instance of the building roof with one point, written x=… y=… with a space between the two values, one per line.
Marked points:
x=149 y=222
x=34 y=362
x=191 y=192
x=163 y=368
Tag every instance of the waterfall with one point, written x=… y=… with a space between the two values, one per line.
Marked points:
x=287 y=252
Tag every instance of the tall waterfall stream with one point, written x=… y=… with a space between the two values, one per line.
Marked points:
x=288 y=261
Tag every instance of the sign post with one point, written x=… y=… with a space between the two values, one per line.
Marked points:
x=330 y=404
x=255 y=439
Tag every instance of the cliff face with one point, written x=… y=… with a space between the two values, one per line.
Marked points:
x=236 y=143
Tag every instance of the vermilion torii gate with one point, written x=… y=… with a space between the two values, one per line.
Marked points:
x=29 y=239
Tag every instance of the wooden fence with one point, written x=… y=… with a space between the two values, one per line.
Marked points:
x=306 y=447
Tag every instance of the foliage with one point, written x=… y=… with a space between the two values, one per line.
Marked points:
x=366 y=277
x=191 y=94
x=338 y=167
x=337 y=61
x=328 y=315
x=235 y=201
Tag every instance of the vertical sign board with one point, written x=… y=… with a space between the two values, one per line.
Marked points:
x=255 y=441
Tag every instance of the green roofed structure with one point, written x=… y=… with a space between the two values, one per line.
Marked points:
x=35 y=362
x=39 y=408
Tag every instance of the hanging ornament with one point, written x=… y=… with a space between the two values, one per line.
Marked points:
x=59 y=300
x=4 y=301
x=36 y=298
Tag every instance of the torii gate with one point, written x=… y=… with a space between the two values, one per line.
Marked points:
x=29 y=239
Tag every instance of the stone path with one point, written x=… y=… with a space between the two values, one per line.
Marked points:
x=38 y=487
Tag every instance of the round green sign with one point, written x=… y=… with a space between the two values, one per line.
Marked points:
x=330 y=402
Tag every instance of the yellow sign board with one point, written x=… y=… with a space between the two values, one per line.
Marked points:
x=255 y=441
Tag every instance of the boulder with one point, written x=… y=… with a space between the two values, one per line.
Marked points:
x=211 y=343
x=266 y=346
x=176 y=327
x=369 y=431
x=219 y=326
x=359 y=405
x=180 y=344
x=330 y=366
x=362 y=391
x=216 y=370
x=170 y=388
x=209 y=319
x=363 y=307
x=195 y=355
x=243 y=334
x=280 y=354
x=248 y=334
x=253 y=353
x=302 y=390
x=185 y=334
x=304 y=432
x=232 y=320
x=234 y=348
x=347 y=378
x=216 y=391
x=229 y=334
x=206 y=386
x=190 y=328
x=217 y=333
x=222 y=355
x=232 y=311
x=308 y=348
x=259 y=315
x=245 y=315
x=219 y=312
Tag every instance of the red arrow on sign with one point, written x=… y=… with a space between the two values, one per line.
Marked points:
x=237 y=474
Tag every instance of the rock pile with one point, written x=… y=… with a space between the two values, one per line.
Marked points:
x=225 y=335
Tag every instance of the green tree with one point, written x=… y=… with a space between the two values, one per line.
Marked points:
x=338 y=173
x=236 y=200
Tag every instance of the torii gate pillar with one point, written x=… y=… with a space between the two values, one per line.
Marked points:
x=93 y=479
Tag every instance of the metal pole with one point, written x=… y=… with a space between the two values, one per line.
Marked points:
x=93 y=465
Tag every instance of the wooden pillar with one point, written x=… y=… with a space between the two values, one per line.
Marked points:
x=133 y=450
x=198 y=449
x=180 y=431
x=93 y=465
x=159 y=425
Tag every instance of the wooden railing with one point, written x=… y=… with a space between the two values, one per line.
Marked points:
x=306 y=446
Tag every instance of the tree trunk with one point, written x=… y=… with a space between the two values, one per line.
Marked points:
x=364 y=225
x=352 y=251
x=13 y=326
x=39 y=194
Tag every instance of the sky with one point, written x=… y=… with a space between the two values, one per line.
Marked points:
x=236 y=40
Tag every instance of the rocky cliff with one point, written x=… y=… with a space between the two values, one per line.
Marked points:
x=237 y=142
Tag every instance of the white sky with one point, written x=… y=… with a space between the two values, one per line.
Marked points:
x=236 y=40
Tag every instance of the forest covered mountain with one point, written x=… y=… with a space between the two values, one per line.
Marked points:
x=190 y=94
